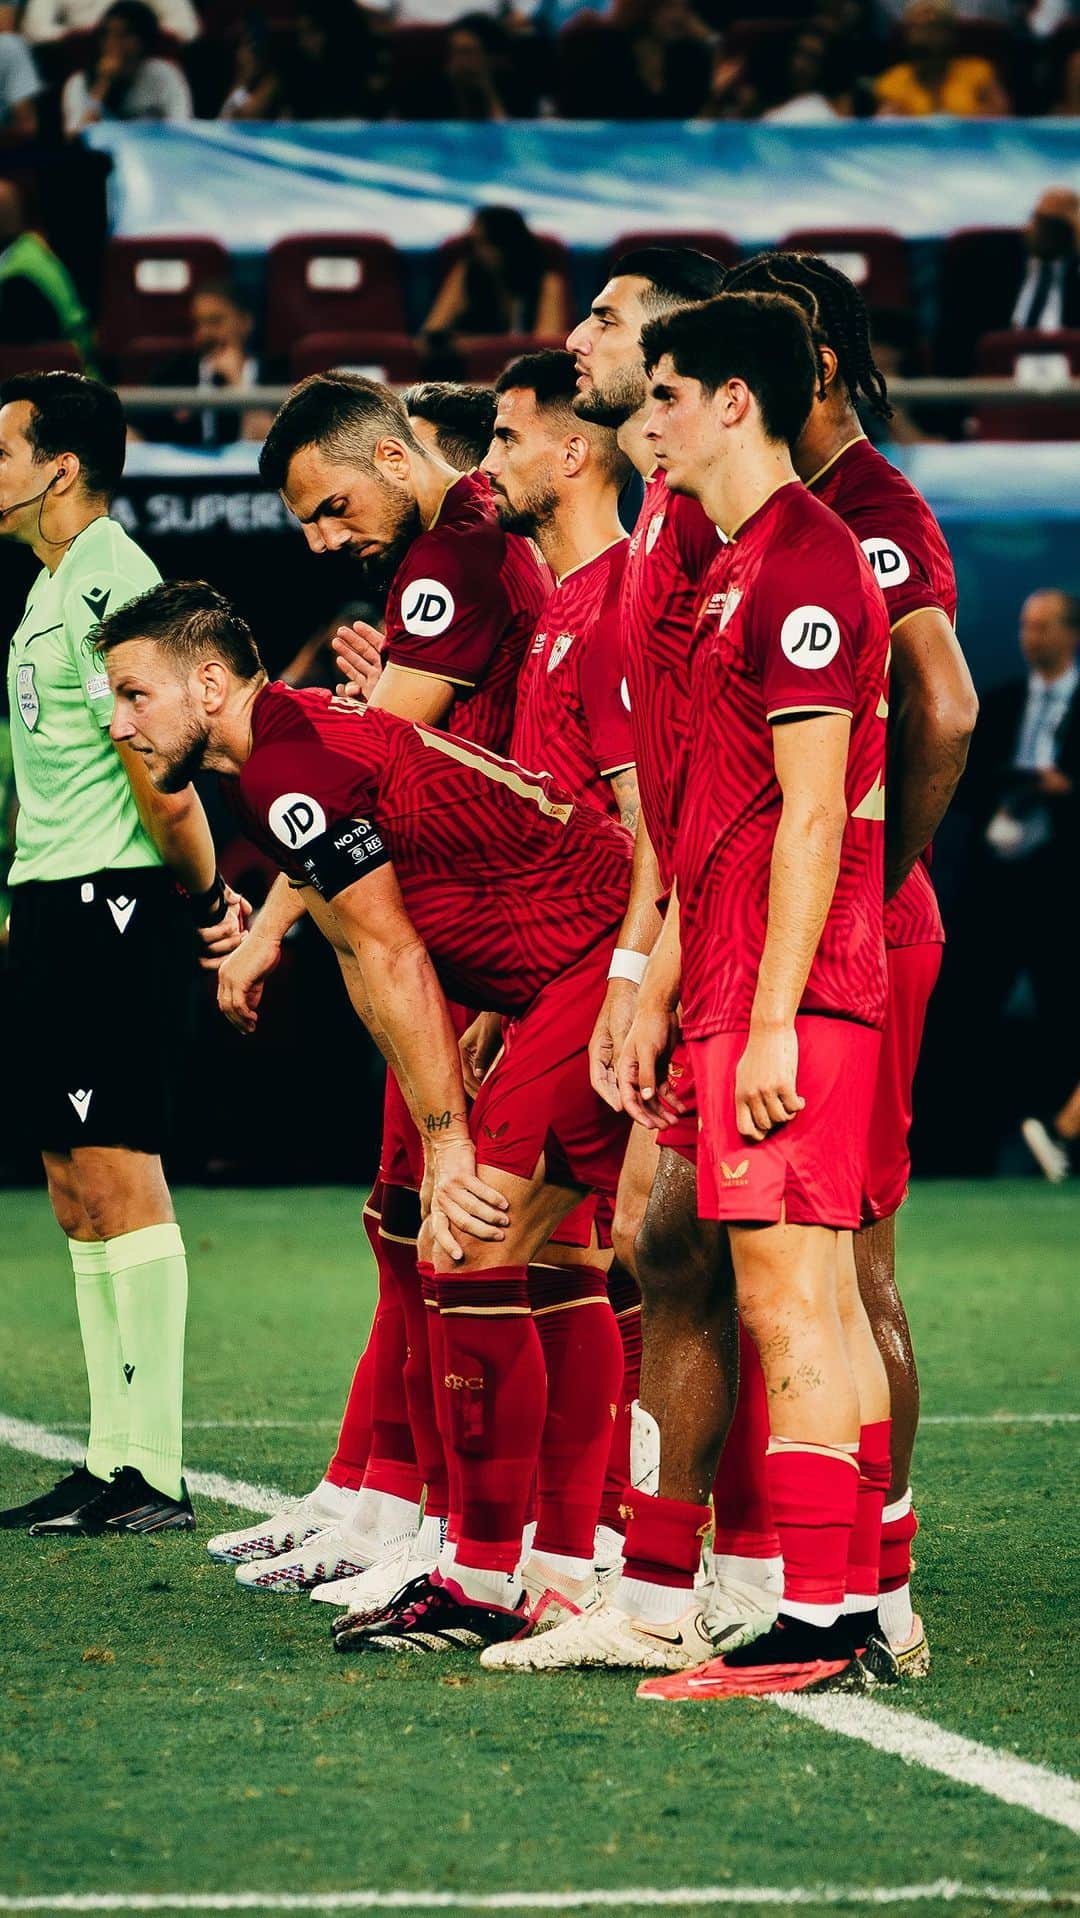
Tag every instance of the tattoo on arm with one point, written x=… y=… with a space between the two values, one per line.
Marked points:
x=442 y=1121
x=625 y=787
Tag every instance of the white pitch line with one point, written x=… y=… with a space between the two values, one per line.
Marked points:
x=22 y=1436
x=945 y=1891
x=1000 y=1418
x=919 y=1741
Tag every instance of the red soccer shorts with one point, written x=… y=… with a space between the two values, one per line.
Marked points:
x=811 y=1171
x=577 y=1228
x=913 y=973
x=538 y=1100
x=683 y=1137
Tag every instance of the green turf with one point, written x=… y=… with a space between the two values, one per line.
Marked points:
x=163 y=1730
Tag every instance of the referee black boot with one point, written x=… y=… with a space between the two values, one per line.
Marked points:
x=68 y=1494
x=128 y=1504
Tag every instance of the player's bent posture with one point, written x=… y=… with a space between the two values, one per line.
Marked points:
x=462 y=601
x=430 y=864
x=933 y=709
x=101 y=945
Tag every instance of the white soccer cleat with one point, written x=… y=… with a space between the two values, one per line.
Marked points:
x=289 y=1526
x=736 y=1611
x=330 y=1554
x=547 y=1605
x=369 y=1591
x=1049 y=1154
x=601 y=1636
x=912 y=1655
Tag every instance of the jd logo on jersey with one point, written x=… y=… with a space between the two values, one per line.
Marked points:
x=26 y=694
x=427 y=608
x=97 y=599
x=810 y=637
x=890 y=564
x=295 y=818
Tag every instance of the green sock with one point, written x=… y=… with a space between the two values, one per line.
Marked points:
x=150 y=1287
x=106 y=1447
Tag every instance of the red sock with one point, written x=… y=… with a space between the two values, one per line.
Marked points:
x=495 y=1402
x=813 y=1502
x=436 y=1350
x=346 y=1468
x=583 y=1358
x=864 y=1550
x=741 y=1504
x=391 y=1464
x=399 y=1263
x=626 y=1305
x=663 y=1538
x=898 y=1528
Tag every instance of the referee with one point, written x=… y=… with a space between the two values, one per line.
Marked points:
x=100 y=946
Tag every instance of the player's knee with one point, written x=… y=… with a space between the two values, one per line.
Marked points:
x=677 y=1271
x=68 y=1209
x=625 y=1226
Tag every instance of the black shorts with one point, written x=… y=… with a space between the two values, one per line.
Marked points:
x=99 y=973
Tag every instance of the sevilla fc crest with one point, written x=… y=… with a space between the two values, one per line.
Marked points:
x=731 y=601
x=559 y=651
x=653 y=534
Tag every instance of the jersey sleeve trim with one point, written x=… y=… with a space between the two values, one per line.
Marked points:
x=813 y=711
x=929 y=606
x=624 y=766
x=428 y=672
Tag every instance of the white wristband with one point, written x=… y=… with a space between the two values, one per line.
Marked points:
x=627 y=964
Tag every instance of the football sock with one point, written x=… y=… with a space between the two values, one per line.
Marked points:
x=436 y=1350
x=583 y=1358
x=813 y=1500
x=896 y=1616
x=626 y=1305
x=416 y=1375
x=391 y=1465
x=150 y=1286
x=559 y=1569
x=429 y=1537
x=346 y=1468
x=381 y=1518
x=483 y=1588
x=864 y=1549
x=608 y=1545
x=745 y=1529
x=106 y=1447
x=495 y=1402
x=663 y=1554
x=898 y=1528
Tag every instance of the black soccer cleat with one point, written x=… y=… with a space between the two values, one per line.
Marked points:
x=428 y=1618
x=345 y=1628
x=127 y=1504
x=75 y=1489
x=871 y=1648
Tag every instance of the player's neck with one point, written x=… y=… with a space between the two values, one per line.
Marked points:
x=579 y=531
x=432 y=479
x=827 y=432
x=54 y=531
x=230 y=746
x=633 y=443
x=739 y=486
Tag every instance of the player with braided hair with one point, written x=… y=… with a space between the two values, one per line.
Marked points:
x=933 y=713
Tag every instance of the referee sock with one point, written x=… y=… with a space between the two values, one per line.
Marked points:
x=150 y=1287
x=106 y=1447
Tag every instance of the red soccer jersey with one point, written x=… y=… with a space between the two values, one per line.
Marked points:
x=673 y=545
x=463 y=606
x=572 y=715
x=796 y=626
x=907 y=550
x=506 y=880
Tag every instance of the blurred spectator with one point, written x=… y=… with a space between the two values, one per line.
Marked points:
x=816 y=87
x=314 y=664
x=336 y=66
x=220 y=360
x=126 y=81
x=934 y=78
x=45 y=20
x=257 y=91
x=19 y=88
x=671 y=49
x=1014 y=917
x=1066 y=99
x=475 y=52
x=895 y=346
x=1048 y=297
x=455 y=421
x=501 y=284
x=38 y=300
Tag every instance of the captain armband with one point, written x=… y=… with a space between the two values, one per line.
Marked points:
x=345 y=852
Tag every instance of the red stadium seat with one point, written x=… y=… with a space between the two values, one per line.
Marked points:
x=331 y=283
x=485 y=359
x=46 y=356
x=874 y=258
x=147 y=287
x=719 y=246
x=392 y=357
x=1032 y=359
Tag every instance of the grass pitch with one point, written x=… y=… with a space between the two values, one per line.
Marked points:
x=164 y=1731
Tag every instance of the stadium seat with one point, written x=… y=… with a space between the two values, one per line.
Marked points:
x=485 y=359
x=331 y=283
x=392 y=357
x=719 y=246
x=45 y=356
x=147 y=287
x=874 y=258
x=1033 y=360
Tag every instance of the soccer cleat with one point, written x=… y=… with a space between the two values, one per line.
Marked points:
x=330 y=1554
x=280 y=1531
x=736 y=1611
x=792 y=1657
x=429 y=1617
x=546 y=1605
x=1050 y=1153
x=913 y=1656
x=601 y=1635
x=349 y=1629
x=127 y=1504
x=69 y=1492
x=868 y=1643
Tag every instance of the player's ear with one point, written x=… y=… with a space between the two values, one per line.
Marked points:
x=830 y=366
x=734 y=397
x=391 y=460
x=68 y=469
x=213 y=681
x=575 y=453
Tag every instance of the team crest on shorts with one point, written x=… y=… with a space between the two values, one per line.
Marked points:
x=27 y=695
x=559 y=651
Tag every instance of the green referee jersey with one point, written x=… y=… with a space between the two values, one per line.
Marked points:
x=76 y=814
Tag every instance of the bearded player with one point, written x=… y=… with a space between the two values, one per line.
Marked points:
x=463 y=599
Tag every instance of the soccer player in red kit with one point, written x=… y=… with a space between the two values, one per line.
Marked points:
x=933 y=712
x=431 y=864
x=462 y=604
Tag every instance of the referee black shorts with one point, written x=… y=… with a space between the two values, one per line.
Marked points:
x=98 y=979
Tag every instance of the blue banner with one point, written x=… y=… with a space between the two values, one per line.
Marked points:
x=584 y=183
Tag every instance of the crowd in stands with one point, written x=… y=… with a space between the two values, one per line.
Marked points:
x=65 y=64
